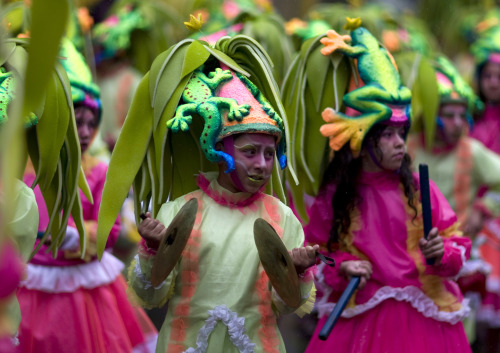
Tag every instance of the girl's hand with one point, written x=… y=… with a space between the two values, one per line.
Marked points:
x=152 y=230
x=357 y=268
x=433 y=247
x=304 y=257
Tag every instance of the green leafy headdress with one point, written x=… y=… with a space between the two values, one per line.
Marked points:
x=159 y=163
x=83 y=89
x=452 y=87
x=487 y=46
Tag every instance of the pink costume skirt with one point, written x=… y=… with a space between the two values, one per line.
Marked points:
x=390 y=327
x=489 y=250
x=94 y=317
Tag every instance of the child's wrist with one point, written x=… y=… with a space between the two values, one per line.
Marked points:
x=147 y=248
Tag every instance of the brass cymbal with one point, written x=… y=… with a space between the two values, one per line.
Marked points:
x=277 y=263
x=173 y=242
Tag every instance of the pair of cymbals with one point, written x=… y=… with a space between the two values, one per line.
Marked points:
x=273 y=254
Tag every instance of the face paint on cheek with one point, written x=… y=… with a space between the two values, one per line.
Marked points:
x=247 y=181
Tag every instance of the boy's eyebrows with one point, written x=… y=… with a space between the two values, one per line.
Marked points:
x=254 y=146
x=245 y=145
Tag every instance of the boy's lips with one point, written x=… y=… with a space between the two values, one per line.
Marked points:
x=256 y=178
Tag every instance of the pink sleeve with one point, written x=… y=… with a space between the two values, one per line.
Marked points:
x=331 y=276
x=317 y=231
x=456 y=247
x=456 y=252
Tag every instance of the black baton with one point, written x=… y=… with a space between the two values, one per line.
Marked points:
x=423 y=171
x=339 y=307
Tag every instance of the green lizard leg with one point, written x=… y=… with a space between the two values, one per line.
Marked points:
x=236 y=112
x=182 y=118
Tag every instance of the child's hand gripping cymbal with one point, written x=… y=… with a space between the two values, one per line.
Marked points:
x=151 y=230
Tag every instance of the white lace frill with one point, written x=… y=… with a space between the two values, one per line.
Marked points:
x=66 y=279
x=235 y=327
x=410 y=294
x=141 y=277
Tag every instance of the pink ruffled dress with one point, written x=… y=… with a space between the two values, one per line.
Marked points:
x=70 y=305
x=486 y=130
x=406 y=306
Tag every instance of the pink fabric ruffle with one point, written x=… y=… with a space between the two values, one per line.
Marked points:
x=87 y=320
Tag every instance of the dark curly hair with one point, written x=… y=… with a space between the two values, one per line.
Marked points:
x=343 y=171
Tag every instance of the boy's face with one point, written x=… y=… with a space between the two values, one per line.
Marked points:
x=254 y=160
x=454 y=120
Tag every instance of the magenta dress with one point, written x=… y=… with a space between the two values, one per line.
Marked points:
x=487 y=130
x=71 y=305
x=406 y=306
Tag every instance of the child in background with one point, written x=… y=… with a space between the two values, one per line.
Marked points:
x=487 y=56
x=69 y=303
x=460 y=166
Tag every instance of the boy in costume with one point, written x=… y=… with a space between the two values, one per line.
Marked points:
x=219 y=277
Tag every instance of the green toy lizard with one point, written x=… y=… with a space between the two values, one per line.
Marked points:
x=382 y=87
x=7 y=94
x=200 y=97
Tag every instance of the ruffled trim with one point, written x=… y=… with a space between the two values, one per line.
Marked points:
x=463 y=257
x=140 y=276
x=235 y=328
x=225 y=197
x=66 y=279
x=148 y=346
x=412 y=295
x=493 y=285
x=473 y=266
x=308 y=306
x=15 y=339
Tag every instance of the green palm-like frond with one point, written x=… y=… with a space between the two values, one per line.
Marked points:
x=313 y=83
x=44 y=92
